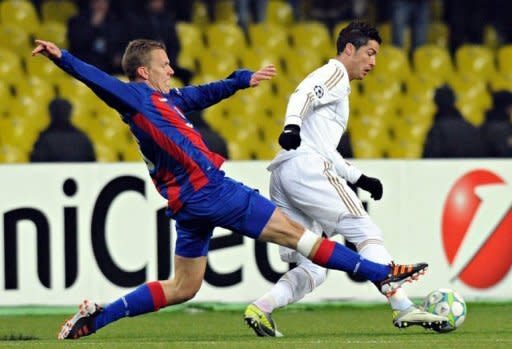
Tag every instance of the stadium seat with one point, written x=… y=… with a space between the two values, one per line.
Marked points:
x=200 y=14
x=312 y=36
x=16 y=39
x=382 y=87
x=31 y=111
x=5 y=99
x=475 y=59
x=433 y=61
x=502 y=81
x=12 y=154
x=421 y=87
x=10 y=67
x=105 y=153
x=39 y=89
x=130 y=151
x=192 y=46
x=77 y=92
x=365 y=149
x=218 y=64
x=42 y=67
x=279 y=12
x=392 y=62
x=255 y=60
x=470 y=88
x=505 y=59
x=283 y=86
x=269 y=38
x=300 y=63
x=386 y=33
x=225 y=37
x=58 y=10
x=53 y=31
x=403 y=149
x=438 y=34
x=225 y=12
x=19 y=13
x=472 y=112
x=19 y=131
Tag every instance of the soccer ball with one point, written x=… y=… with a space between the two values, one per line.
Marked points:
x=446 y=302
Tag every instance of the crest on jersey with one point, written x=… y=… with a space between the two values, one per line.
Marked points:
x=319 y=91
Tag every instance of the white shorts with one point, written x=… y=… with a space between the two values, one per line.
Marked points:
x=309 y=191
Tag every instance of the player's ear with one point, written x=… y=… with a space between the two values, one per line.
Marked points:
x=349 y=49
x=143 y=72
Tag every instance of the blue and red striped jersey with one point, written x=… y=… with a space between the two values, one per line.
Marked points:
x=177 y=158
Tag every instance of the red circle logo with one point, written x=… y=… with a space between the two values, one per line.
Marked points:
x=487 y=258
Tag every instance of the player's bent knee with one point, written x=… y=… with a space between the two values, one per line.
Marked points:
x=282 y=230
x=318 y=274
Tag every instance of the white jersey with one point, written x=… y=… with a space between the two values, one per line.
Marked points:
x=320 y=106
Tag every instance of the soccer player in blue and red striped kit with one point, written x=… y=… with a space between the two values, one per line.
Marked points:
x=187 y=174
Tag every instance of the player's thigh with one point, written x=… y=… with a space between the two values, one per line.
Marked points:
x=314 y=188
x=193 y=237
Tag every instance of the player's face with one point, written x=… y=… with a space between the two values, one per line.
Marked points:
x=160 y=71
x=364 y=59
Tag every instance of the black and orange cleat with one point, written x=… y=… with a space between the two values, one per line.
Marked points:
x=400 y=274
x=82 y=323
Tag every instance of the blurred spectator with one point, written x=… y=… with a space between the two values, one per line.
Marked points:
x=502 y=11
x=157 y=23
x=61 y=141
x=213 y=140
x=410 y=13
x=96 y=36
x=331 y=12
x=466 y=20
x=451 y=136
x=184 y=10
x=250 y=11
x=497 y=128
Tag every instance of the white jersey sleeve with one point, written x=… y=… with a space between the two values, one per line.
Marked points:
x=323 y=86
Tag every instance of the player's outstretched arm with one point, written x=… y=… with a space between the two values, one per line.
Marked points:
x=112 y=91
x=266 y=73
x=202 y=96
x=48 y=49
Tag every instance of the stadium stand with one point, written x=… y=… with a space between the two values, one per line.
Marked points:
x=391 y=110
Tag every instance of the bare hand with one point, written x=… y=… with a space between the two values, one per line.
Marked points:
x=265 y=73
x=48 y=49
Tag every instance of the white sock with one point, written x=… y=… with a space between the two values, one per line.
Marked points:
x=376 y=252
x=290 y=288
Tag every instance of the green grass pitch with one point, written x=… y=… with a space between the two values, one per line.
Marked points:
x=329 y=326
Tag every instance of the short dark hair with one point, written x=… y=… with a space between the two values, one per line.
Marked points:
x=137 y=54
x=358 y=34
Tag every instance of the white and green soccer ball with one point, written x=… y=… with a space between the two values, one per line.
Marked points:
x=446 y=302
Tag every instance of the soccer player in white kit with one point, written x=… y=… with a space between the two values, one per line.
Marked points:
x=309 y=181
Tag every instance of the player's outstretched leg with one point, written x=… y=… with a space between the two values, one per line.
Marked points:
x=92 y=317
x=82 y=323
x=261 y=322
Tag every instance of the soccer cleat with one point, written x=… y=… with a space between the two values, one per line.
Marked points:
x=82 y=323
x=400 y=274
x=416 y=316
x=260 y=322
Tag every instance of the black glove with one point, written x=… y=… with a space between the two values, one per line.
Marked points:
x=290 y=137
x=371 y=185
